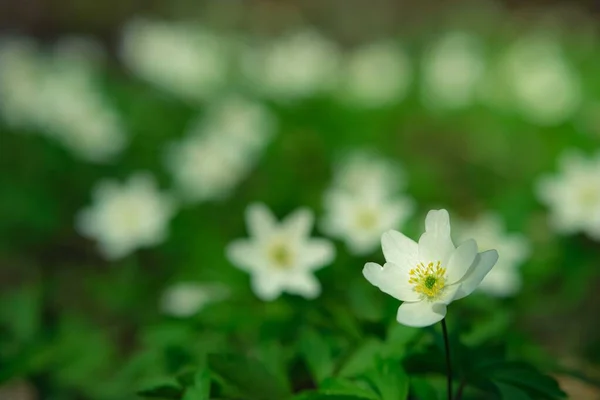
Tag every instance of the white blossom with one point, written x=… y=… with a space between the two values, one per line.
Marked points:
x=375 y=75
x=505 y=278
x=361 y=219
x=543 y=85
x=185 y=299
x=220 y=148
x=126 y=217
x=573 y=194
x=281 y=256
x=430 y=274
x=180 y=58
x=365 y=172
x=296 y=66
x=452 y=69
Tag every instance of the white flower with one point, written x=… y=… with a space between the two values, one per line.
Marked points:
x=126 y=217
x=360 y=220
x=185 y=299
x=573 y=195
x=504 y=279
x=452 y=69
x=376 y=75
x=430 y=274
x=281 y=256
x=177 y=57
x=245 y=123
x=295 y=66
x=545 y=87
x=20 y=67
x=220 y=148
x=363 y=172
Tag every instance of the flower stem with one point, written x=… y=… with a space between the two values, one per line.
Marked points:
x=448 y=364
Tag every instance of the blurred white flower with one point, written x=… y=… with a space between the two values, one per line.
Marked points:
x=452 y=70
x=361 y=219
x=573 y=194
x=185 y=299
x=281 y=256
x=544 y=86
x=20 y=69
x=430 y=274
x=375 y=75
x=505 y=278
x=56 y=93
x=365 y=172
x=126 y=217
x=220 y=148
x=182 y=59
x=296 y=66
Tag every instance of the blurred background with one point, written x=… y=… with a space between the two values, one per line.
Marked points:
x=133 y=136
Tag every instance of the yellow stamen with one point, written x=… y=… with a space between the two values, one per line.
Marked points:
x=281 y=255
x=428 y=280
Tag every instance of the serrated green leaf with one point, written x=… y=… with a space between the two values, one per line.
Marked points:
x=363 y=359
x=162 y=391
x=248 y=377
x=347 y=387
x=390 y=380
x=317 y=354
x=200 y=390
x=510 y=392
x=527 y=378
x=326 y=396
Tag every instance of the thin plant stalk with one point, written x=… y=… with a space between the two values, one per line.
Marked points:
x=448 y=364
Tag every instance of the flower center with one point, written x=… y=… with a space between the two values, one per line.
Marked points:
x=281 y=256
x=366 y=219
x=428 y=280
x=589 y=197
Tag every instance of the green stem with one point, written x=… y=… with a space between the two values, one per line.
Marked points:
x=448 y=364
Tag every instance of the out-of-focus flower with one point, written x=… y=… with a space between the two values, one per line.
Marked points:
x=296 y=66
x=375 y=75
x=452 y=70
x=20 y=70
x=126 y=217
x=430 y=274
x=180 y=58
x=541 y=82
x=573 y=195
x=57 y=94
x=220 y=148
x=504 y=279
x=360 y=220
x=281 y=256
x=365 y=172
x=185 y=299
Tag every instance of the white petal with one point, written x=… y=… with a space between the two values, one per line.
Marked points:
x=260 y=220
x=317 y=253
x=299 y=224
x=243 y=254
x=420 y=314
x=304 y=285
x=391 y=279
x=399 y=249
x=267 y=287
x=435 y=244
x=480 y=268
x=437 y=222
x=461 y=260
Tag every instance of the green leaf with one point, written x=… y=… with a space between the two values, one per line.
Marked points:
x=363 y=359
x=347 y=387
x=247 y=376
x=422 y=389
x=162 y=391
x=509 y=392
x=526 y=378
x=317 y=354
x=326 y=396
x=200 y=390
x=390 y=380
